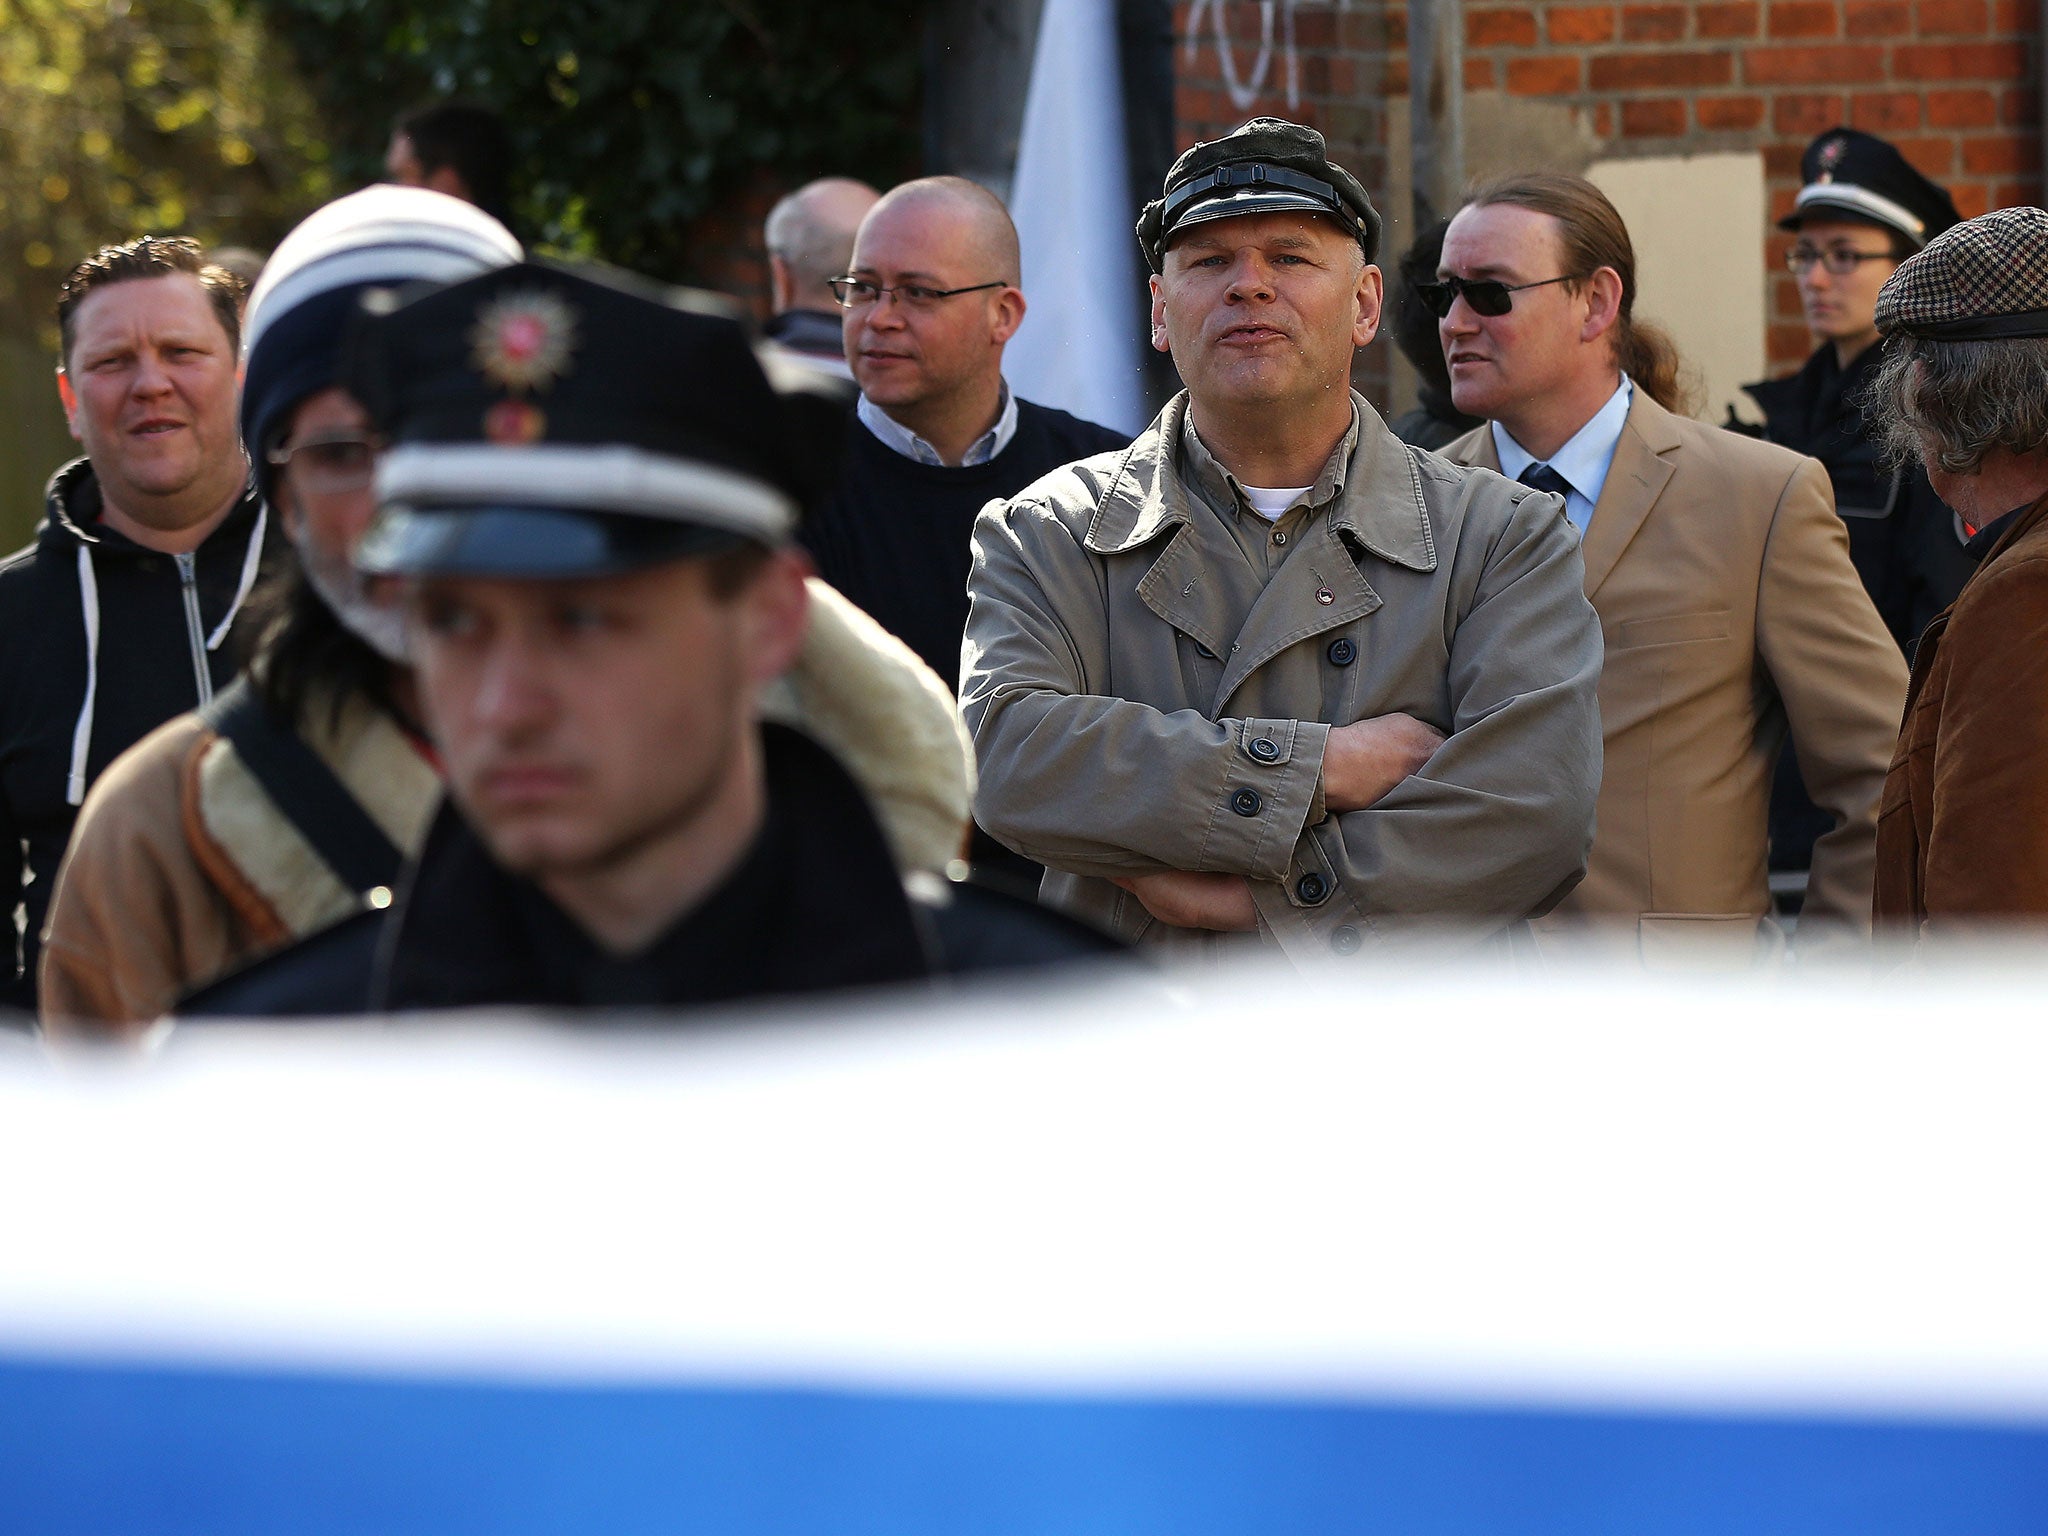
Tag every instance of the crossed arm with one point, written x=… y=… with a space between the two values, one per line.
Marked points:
x=1487 y=824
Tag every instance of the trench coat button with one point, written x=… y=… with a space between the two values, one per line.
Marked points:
x=1345 y=940
x=1246 y=802
x=1204 y=652
x=1342 y=653
x=1264 y=748
x=1312 y=888
x=1279 y=537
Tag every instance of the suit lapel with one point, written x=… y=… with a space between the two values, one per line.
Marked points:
x=1635 y=480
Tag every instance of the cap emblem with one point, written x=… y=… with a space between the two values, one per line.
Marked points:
x=1831 y=157
x=521 y=341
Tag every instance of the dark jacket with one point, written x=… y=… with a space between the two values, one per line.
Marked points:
x=815 y=905
x=1962 y=831
x=1434 y=423
x=1901 y=536
x=94 y=656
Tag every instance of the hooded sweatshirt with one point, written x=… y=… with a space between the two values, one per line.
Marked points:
x=101 y=641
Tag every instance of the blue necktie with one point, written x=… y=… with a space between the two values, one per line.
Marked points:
x=1542 y=477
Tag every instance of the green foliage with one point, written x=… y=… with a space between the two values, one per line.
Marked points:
x=632 y=118
x=126 y=117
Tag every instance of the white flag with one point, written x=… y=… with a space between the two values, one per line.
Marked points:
x=1081 y=347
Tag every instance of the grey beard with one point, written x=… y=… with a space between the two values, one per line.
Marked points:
x=380 y=628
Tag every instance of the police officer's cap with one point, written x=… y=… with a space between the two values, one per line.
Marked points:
x=549 y=422
x=1861 y=176
x=1267 y=166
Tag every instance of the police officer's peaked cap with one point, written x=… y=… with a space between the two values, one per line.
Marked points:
x=1267 y=166
x=1860 y=175
x=547 y=421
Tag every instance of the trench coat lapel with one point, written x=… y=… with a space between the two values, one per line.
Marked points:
x=1636 y=478
x=1380 y=509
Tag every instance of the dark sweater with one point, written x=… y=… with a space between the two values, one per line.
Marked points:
x=156 y=615
x=894 y=538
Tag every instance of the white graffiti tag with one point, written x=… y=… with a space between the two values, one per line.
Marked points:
x=1245 y=91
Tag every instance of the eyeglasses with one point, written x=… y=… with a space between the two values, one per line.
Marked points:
x=330 y=465
x=1487 y=296
x=859 y=293
x=1838 y=259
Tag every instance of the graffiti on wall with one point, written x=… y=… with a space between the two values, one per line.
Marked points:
x=1276 y=53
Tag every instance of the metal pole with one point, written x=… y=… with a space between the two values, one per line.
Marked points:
x=1436 y=107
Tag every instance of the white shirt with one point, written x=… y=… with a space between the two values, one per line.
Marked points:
x=906 y=442
x=1584 y=461
x=1272 y=502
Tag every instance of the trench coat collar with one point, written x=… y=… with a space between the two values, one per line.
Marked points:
x=1381 y=504
x=1640 y=470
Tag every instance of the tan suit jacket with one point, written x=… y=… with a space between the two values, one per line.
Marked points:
x=1730 y=612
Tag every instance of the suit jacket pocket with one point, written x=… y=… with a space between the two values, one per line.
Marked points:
x=1673 y=629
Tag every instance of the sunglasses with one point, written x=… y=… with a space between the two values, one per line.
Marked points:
x=1487 y=295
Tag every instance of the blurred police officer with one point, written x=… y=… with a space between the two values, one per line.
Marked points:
x=590 y=496
x=1268 y=670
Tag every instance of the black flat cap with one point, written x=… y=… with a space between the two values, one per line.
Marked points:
x=1847 y=172
x=1984 y=280
x=1267 y=166
x=548 y=421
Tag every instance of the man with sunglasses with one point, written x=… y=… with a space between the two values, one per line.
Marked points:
x=1720 y=573
x=1268 y=674
x=129 y=607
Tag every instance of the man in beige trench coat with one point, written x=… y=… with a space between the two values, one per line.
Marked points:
x=1268 y=671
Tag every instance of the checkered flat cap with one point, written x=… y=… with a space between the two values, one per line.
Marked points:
x=1985 y=279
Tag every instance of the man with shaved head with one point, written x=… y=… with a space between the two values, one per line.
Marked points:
x=930 y=300
x=810 y=241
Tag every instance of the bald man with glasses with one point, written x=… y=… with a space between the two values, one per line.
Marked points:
x=929 y=304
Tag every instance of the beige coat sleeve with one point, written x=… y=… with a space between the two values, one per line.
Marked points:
x=1843 y=683
x=133 y=920
x=1087 y=782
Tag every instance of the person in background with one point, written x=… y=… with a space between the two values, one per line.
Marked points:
x=1270 y=675
x=809 y=236
x=1721 y=575
x=290 y=804
x=461 y=148
x=1435 y=422
x=929 y=304
x=588 y=497
x=130 y=607
x=1962 y=835
x=1862 y=209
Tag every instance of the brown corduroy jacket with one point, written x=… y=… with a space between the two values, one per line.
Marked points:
x=1962 y=831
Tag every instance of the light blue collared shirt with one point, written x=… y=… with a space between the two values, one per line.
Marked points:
x=906 y=442
x=1584 y=461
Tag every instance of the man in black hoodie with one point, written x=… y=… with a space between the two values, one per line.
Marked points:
x=122 y=613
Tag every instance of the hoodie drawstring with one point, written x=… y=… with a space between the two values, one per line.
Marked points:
x=250 y=561
x=89 y=600
x=81 y=733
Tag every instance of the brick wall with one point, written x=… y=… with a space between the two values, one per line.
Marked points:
x=1952 y=82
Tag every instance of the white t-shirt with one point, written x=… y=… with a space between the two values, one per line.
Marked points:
x=1271 y=503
